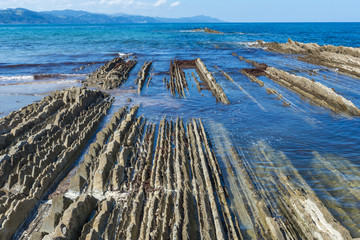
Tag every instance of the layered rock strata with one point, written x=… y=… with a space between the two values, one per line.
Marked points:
x=268 y=90
x=45 y=139
x=178 y=83
x=345 y=59
x=143 y=76
x=314 y=91
x=210 y=81
x=111 y=75
x=288 y=207
x=141 y=180
x=271 y=199
x=342 y=187
x=178 y=80
x=207 y=30
x=150 y=181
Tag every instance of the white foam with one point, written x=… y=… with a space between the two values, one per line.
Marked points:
x=124 y=55
x=29 y=78
x=17 y=78
x=248 y=44
x=191 y=31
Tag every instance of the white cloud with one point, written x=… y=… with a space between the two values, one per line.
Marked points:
x=124 y=3
x=174 y=4
x=89 y=3
x=159 y=3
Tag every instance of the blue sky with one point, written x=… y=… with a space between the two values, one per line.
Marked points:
x=226 y=10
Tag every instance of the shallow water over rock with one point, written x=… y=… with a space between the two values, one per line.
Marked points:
x=319 y=146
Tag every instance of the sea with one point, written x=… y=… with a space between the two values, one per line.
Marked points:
x=322 y=146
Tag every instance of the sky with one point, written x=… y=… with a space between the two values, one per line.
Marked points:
x=225 y=10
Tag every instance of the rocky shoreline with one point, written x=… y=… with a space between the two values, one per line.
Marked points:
x=311 y=90
x=165 y=179
x=207 y=30
x=47 y=138
x=345 y=59
x=177 y=82
x=111 y=75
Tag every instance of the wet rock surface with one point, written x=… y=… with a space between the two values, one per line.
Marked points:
x=47 y=138
x=153 y=178
x=143 y=76
x=111 y=75
x=207 y=30
x=346 y=59
x=271 y=199
x=314 y=91
x=178 y=83
x=143 y=180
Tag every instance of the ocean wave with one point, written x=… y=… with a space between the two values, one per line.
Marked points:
x=46 y=64
x=57 y=76
x=125 y=55
x=17 y=78
x=35 y=77
x=249 y=34
x=192 y=31
x=60 y=82
x=251 y=44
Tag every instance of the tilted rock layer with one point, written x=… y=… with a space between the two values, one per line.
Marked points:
x=314 y=91
x=346 y=59
x=42 y=141
x=111 y=75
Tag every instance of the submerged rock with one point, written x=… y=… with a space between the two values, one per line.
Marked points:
x=346 y=59
x=178 y=83
x=314 y=91
x=207 y=30
x=143 y=75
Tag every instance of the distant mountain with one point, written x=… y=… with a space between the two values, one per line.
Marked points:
x=25 y=16
x=196 y=19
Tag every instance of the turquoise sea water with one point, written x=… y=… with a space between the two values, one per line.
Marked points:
x=55 y=52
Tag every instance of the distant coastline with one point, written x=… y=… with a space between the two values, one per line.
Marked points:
x=25 y=16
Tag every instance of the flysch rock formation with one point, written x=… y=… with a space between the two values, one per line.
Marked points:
x=111 y=75
x=345 y=59
x=210 y=81
x=286 y=191
x=207 y=30
x=143 y=76
x=344 y=174
x=316 y=92
x=178 y=83
x=268 y=90
x=141 y=180
x=258 y=81
x=270 y=198
x=42 y=141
